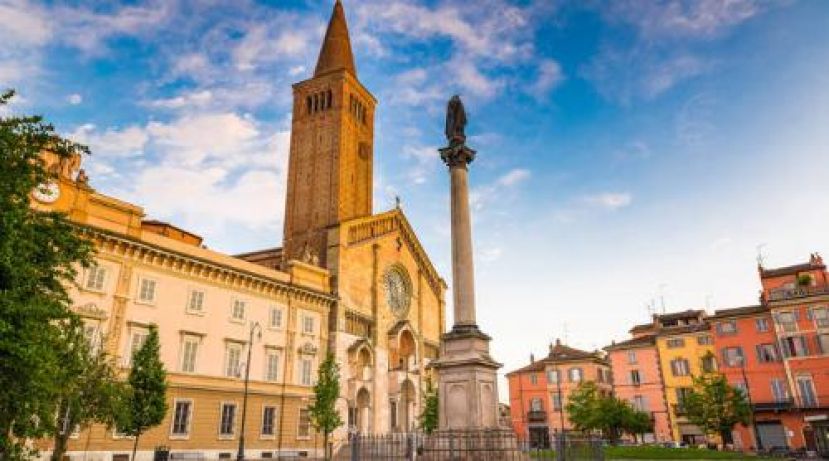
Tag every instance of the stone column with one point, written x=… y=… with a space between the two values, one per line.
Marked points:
x=463 y=273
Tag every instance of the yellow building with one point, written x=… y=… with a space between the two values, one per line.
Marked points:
x=685 y=349
x=346 y=280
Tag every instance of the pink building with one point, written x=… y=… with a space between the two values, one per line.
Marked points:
x=637 y=379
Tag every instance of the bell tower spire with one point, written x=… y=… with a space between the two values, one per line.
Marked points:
x=330 y=167
x=335 y=53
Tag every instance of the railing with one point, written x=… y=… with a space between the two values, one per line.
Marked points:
x=679 y=409
x=536 y=416
x=798 y=292
x=774 y=405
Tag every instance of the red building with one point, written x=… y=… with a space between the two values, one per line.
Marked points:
x=798 y=300
x=538 y=392
x=749 y=356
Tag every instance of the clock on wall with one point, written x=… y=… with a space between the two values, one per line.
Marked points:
x=47 y=193
x=398 y=291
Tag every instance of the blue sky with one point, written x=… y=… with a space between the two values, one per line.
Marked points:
x=629 y=151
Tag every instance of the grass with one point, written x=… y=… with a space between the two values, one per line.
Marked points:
x=673 y=453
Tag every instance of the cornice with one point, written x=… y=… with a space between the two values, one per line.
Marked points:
x=135 y=250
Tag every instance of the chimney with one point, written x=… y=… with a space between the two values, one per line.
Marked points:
x=558 y=342
x=532 y=358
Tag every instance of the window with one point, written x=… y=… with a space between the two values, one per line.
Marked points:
x=308 y=324
x=226 y=425
x=681 y=394
x=709 y=363
x=536 y=404
x=576 y=375
x=393 y=414
x=136 y=341
x=705 y=340
x=90 y=334
x=533 y=378
x=95 y=278
x=181 y=417
x=635 y=379
x=238 y=312
x=679 y=367
x=806 y=388
x=552 y=376
x=675 y=343
x=787 y=321
x=272 y=366
x=195 y=303
x=742 y=386
x=304 y=429
x=268 y=419
x=762 y=325
x=275 y=318
x=189 y=350
x=146 y=291
x=779 y=390
x=632 y=357
x=639 y=403
x=767 y=353
x=823 y=343
x=305 y=372
x=727 y=328
x=556 y=397
x=233 y=355
x=794 y=346
x=733 y=356
x=821 y=317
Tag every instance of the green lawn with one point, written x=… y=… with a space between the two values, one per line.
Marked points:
x=672 y=453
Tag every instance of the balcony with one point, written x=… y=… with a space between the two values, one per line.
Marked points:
x=679 y=409
x=537 y=416
x=774 y=405
x=797 y=292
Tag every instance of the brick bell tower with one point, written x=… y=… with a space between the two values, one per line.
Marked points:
x=331 y=157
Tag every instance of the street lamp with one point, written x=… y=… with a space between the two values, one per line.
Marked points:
x=240 y=456
x=750 y=405
x=560 y=411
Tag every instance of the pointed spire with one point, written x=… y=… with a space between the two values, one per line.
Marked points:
x=335 y=53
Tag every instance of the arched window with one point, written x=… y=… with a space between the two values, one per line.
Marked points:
x=316 y=102
x=330 y=98
x=308 y=103
x=576 y=375
x=536 y=404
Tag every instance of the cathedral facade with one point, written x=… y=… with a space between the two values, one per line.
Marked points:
x=345 y=281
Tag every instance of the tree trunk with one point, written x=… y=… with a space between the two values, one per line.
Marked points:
x=60 y=446
x=135 y=446
x=325 y=446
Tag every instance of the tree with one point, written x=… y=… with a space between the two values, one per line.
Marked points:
x=590 y=410
x=40 y=253
x=145 y=404
x=715 y=406
x=429 y=416
x=89 y=389
x=324 y=415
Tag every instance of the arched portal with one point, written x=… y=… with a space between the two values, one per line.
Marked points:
x=408 y=405
x=363 y=411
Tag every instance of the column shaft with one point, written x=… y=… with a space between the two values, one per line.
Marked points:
x=463 y=272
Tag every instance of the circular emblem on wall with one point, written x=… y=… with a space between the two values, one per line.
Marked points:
x=46 y=193
x=398 y=291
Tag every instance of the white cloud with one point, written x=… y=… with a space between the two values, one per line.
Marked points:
x=192 y=139
x=550 y=76
x=264 y=43
x=24 y=24
x=514 y=177
x=112 y=142
x=87 y=29
x=186 y=99
x=481 y=196
x=682 y=18
x=609 y=200
x=74 y=99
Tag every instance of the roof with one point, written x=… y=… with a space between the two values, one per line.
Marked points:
x=681 y=315
x=736 y=311
x=335 y=53
x=815 y=262
x=632 y=343
x=560 y=353
x=684 y=329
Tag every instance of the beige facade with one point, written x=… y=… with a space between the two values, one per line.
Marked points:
x=347 y=281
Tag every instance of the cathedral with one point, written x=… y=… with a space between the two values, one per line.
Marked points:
x=346 y=281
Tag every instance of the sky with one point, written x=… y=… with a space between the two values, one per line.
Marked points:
x=632 y=155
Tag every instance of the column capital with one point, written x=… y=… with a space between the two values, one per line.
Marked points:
x=457 y=155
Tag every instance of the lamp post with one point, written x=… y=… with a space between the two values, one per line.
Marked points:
x=240 y=456
x=560 y=414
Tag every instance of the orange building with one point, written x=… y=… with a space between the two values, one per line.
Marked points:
x=538 y=392
x=797 y=297
x=637 y=378
x=750 y=358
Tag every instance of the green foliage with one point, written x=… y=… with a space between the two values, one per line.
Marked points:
x=145 y=403
x=804 y=280
x=589 y=410
x=429 y=417
x=324 y=415
x=40 y=254
x=655 y=452
x=715 y=406
x=89 y=390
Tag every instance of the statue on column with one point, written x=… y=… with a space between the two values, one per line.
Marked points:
x=455 y=121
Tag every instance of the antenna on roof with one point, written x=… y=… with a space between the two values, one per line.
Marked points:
x=566 y=339
x=708 y=298
x=662 y=295
x=760 y=257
